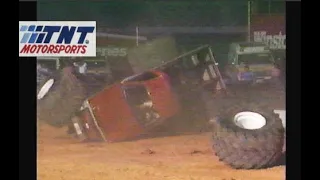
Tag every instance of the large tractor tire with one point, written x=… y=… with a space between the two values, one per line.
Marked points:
x=92 y=83
x=248 y=137
x=59 y=97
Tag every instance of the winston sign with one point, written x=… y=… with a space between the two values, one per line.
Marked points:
x=269 y=29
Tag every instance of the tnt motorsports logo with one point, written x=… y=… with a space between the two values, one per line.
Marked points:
x=57 y=38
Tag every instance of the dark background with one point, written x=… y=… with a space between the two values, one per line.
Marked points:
x=158 y=18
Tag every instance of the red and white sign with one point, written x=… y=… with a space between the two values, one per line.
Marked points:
x=270 y=29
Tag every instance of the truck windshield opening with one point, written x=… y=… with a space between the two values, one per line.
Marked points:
x=256 y=58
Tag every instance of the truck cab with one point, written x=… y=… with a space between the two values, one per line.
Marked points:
x=253 y=58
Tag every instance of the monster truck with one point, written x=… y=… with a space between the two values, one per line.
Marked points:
x=64 y=94
x=172 y=89
x=147 y=100
x=250 y=62
x=182 y=87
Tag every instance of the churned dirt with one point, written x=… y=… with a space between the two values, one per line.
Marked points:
x=187 y=156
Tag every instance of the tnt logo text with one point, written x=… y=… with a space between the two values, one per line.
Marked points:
x=52 y=38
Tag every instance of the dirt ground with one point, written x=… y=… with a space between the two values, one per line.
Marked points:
x=180 y=157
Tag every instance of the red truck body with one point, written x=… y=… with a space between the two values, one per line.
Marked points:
x=111 y=115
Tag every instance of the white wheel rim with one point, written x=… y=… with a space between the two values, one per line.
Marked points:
x=45 y=89
x=249 y=120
